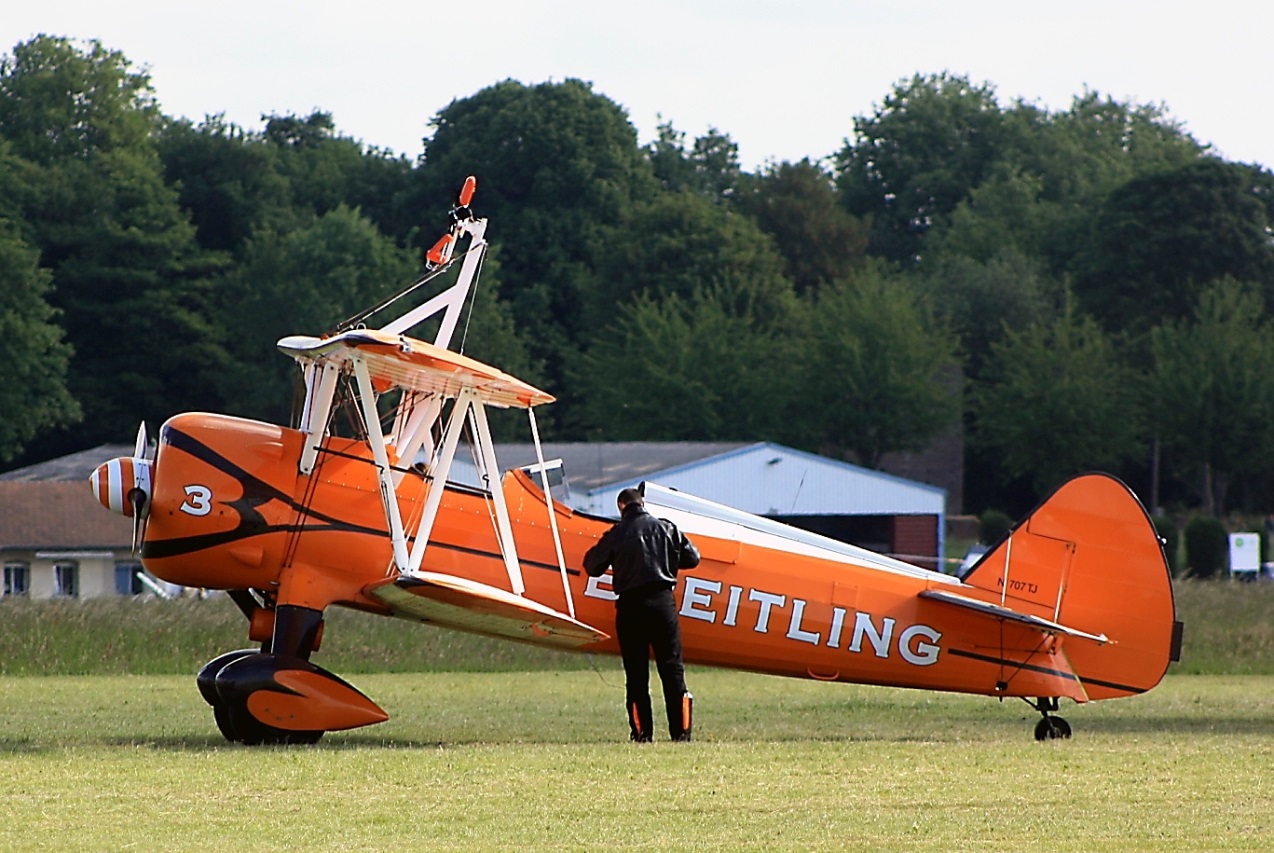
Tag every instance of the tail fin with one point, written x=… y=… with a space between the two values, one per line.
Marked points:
x=1089 y=558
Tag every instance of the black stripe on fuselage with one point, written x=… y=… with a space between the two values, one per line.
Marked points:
x=1043 y=669
x=256 y=492
x=251 y=523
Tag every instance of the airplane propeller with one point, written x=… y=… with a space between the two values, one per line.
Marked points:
x=139 y=495
x=123 y=485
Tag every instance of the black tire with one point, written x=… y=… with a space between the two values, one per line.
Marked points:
x=225 y=723
x=250 y=731
x=237 y=725
x=1052 y=728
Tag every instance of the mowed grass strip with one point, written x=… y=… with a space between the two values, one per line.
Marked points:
x=537 y=761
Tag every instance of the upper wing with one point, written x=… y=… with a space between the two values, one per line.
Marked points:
x=417 y=365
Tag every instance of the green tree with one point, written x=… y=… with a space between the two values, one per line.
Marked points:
x=1207 y=547
x=1161 y=238
x=917 y=157
x=697 y=367
x=795 y=203
x=233 y=182
x=710 y=167
x=1050 y=171
x=311 y=279
x=325 y=169
x=1056 y=401
x=1006 y=213
x=227 y=179
x=557 y=166
x=128 y=278
x=981 y=301
x=875 y=371
x=34 y=397
x=680 y=243
x=1212 y=385
x=60 y=101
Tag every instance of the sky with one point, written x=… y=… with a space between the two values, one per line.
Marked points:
x=784 y=79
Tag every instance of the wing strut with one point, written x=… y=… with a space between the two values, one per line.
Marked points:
x=486 y=449
x=384 y=474
x=548 y=502
x=438 y=477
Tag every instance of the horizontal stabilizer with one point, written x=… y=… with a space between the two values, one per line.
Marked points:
x=1000 y=612
x=465 y=605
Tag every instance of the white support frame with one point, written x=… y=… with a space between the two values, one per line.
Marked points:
x=384 y=474
x=450 y=440
x=504 y=528
x=319 y=392
x=414 y=422
x=418 y=413
x=548 y=503
x=451 y=299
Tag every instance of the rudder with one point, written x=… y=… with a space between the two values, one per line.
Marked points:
x=1089 y=558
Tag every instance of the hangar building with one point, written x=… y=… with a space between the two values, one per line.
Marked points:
x=867 y=508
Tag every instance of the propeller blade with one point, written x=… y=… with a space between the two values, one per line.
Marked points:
x=139 y=448
x=139 y=527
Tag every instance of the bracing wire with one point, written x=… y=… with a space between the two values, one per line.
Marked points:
x=473 y=297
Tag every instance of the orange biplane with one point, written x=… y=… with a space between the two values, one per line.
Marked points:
x=1076 y=601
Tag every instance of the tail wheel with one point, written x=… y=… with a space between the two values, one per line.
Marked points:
x=1052 y=728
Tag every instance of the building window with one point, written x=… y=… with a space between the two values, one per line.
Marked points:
x=16 y=577
x=126 y=580
x=66 y=579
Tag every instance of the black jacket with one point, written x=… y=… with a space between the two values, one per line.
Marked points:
x=644 y=551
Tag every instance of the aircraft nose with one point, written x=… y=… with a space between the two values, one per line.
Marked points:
x=122 y=485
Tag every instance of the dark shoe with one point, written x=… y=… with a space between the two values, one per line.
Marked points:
x=641 y=720
x=680 y=717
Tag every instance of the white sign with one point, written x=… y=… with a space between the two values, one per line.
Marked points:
x=1245 y=552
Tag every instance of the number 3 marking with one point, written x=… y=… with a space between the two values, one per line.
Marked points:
x=198 y=500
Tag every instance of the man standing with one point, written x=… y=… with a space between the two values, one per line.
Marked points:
x=645 y=553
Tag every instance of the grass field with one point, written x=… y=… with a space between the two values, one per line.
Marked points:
x=536 y=761
x=499 y=746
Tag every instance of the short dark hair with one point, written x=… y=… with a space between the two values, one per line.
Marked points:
x=629 y=496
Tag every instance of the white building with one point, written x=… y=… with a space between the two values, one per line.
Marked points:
x=56 y=540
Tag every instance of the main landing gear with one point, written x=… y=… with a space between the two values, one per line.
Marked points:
x=1051 y=727
x=275 y=695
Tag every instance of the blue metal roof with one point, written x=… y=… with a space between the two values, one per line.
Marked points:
x=770 y=479
x=762 y=478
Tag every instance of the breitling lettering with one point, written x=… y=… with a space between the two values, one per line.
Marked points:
x=703 y=599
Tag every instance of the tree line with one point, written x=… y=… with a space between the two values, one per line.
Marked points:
x=1072 y=290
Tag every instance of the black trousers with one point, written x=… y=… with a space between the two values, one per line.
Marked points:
x=646 y=621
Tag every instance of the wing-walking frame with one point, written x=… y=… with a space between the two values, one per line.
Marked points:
x=429 y=375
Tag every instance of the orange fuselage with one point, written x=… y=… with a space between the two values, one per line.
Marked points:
x=230 y=511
